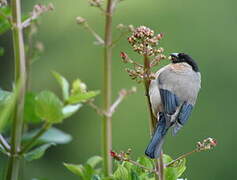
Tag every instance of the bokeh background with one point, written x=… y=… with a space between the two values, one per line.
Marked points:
x=204 y=29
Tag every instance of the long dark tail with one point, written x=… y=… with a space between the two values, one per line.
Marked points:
x=155 y=146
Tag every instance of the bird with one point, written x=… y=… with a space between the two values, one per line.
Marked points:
x=173 y=93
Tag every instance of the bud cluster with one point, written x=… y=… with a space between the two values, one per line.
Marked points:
x=144 y=41
x=40 y=9
x=207 y=144
x=122 y=27
x=96 y=3
x=122 y=156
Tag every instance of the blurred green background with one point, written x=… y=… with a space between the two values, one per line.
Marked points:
x=204 y=29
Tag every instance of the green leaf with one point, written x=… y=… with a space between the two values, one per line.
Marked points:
x=167 y=158
x=71 y=109
x=76 y=169
x=82 y=97
x=93 y=161
x=134 y=175
x=37 y=152
x=170 y=173
x=63 y=83
x=145 y=162
x=181 y=167
x=121 y=173
x=52 y=135
x=7 y=103
x=29 y=110
x=49 y=107
x=4 y=23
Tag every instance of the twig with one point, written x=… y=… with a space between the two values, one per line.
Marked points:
x=124 y=156
x=96 y=108
x=4 y=144
x=84 y=23
x=38 y=10
x=206 y=144
x=92 y=31
x=45 y=127
x=122 y=94
x=114 y=5
x=141 y=166
x=122 y=34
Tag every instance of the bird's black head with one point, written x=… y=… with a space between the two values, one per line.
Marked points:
x=182 y=57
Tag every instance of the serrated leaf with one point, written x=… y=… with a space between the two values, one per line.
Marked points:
x=76 y=169
x=52 y=135
x=93 y=161
x=121 y=173
x=134 y=175
x=37 y=152
x=49 y=107
x=70 y=110
x=29 y=110
x=63 y=83
x=82 y=97
x=145 y=162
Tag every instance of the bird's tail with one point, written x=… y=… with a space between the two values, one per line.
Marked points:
x=154 y=148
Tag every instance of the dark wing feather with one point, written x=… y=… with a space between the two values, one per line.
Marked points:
x=169 y=100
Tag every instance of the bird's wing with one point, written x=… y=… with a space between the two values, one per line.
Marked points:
x=178 y=90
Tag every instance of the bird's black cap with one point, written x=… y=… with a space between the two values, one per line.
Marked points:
x=182 y=57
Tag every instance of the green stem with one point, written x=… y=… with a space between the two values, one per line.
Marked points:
x=158 y=163
x=45 y=127
x=20 y=76
x=106 y=123
x=181 y=157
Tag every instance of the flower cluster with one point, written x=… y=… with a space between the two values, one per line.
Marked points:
x=207 y=144
x=144 y=41
x=40 y=9
x=122 y=156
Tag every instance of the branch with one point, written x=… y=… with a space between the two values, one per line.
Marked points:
x=114 y=4
x=123 y=156
x=82 y=21
x=38 y=10
x=96 y=108
x=122 y=94
x=45 y=127
x=206 y=144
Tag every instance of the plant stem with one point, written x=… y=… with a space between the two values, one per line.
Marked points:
x=45 y=127
x=106 y=124
x=181 y=157
x=146 y=85
x=159 y=164
x=20 y=75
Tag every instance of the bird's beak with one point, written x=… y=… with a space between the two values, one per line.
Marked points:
x=173 y=56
